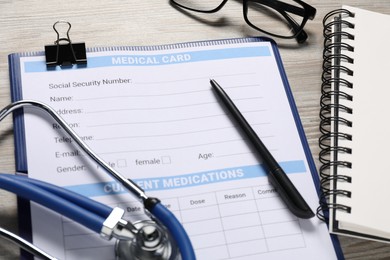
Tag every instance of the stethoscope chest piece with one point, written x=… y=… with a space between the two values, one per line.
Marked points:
x=151 y=242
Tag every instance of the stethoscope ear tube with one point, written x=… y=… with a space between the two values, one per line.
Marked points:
x=177 y=231
x=26 y=245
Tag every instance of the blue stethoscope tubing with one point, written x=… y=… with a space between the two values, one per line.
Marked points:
x=72 y=209
x=88 y=212
x=85 y=211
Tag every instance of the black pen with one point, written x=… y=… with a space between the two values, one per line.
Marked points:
x=277 y=177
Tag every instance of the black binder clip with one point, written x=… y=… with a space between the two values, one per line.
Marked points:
x=65 y=53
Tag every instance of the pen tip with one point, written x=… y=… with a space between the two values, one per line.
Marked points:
x=213 y=83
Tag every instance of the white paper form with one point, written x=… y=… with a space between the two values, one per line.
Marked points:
x=153 y=116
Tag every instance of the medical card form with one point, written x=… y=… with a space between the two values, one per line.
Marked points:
x=151 y=114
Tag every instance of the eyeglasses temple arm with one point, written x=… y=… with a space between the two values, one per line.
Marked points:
x=285 y=7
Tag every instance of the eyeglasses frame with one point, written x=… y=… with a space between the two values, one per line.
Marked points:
x=307 y=13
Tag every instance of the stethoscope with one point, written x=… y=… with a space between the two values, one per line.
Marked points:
x=161 y=237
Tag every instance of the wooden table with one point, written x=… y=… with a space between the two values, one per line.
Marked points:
x=27 y=26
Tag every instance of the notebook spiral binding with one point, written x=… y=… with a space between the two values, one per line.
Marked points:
x=330 y=107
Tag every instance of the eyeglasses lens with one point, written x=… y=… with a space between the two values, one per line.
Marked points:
x=199 y=5
x=282 y=18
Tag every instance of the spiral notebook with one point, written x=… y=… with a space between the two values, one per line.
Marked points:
x=354 y=115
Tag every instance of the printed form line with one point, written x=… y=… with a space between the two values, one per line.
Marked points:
x=180 y=133
x=169 y=121
x=169 y=107
x=162 y=94
x=197 y=78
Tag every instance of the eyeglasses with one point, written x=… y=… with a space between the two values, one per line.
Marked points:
x=283 y=19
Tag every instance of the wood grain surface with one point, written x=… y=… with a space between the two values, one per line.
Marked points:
x=26 y=25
